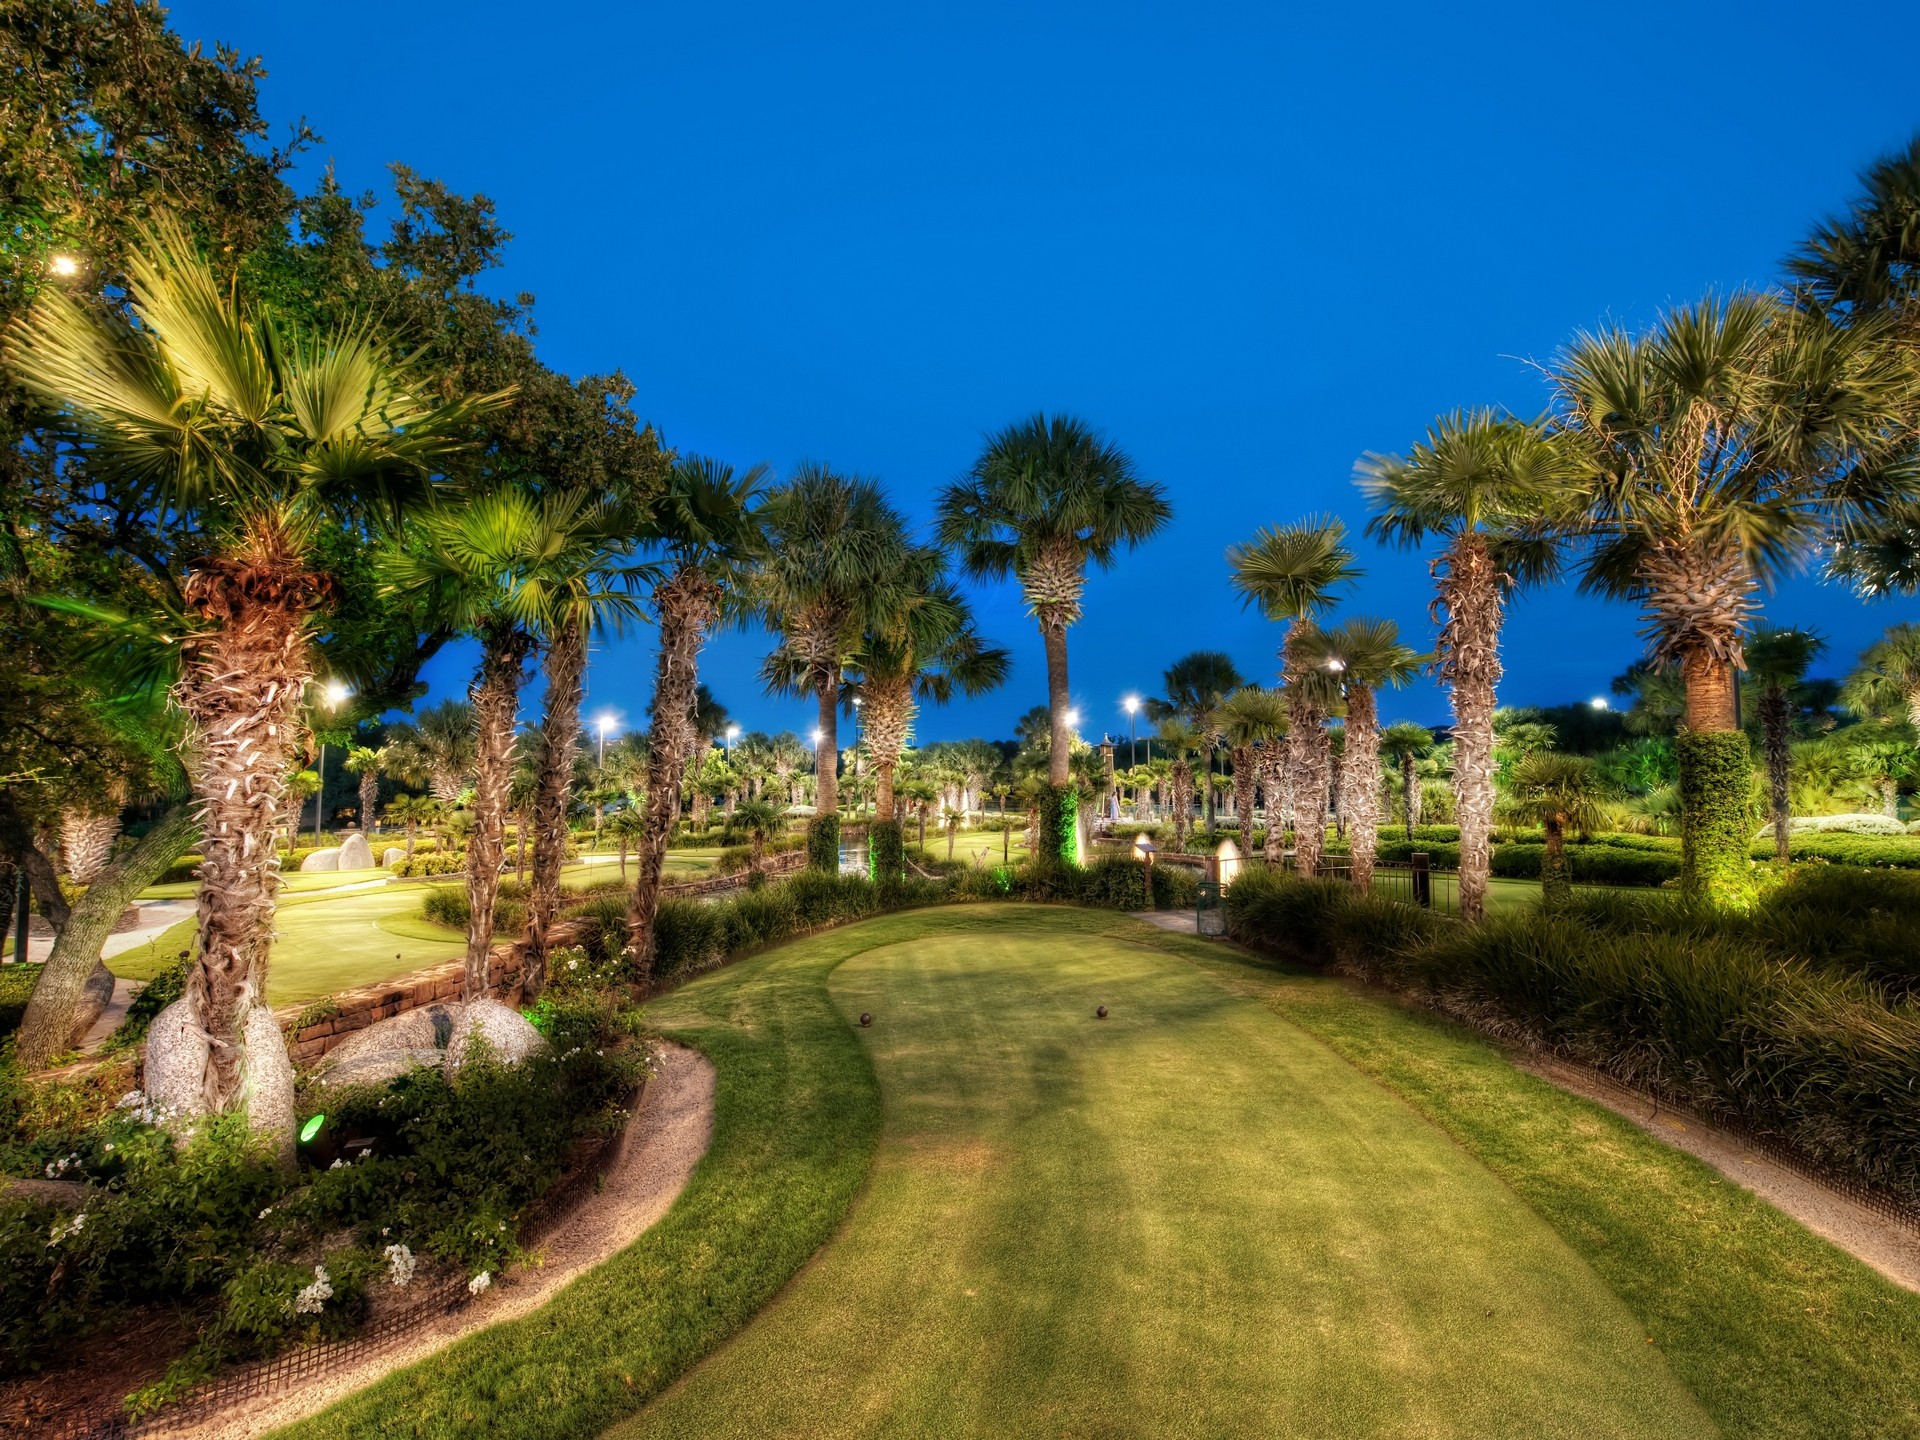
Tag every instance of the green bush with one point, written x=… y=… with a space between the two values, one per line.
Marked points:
x=823 y=844
x=430 y=863
x=1871 y=852
x=1784 y=1018
x=738 y=857
x=181 y=871
x=1059 y=816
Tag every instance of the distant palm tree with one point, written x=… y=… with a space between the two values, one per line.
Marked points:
x=626 y=827
x=1888 y=680
x=436 y=749
x=1183 y=743
x=1254 y=722
x=838 y=565
x=410 y=812
x=1294 y=573
x=1404 y=743
x=1484 y=484
x=708 y=537
x=1557 y=793
x=368 y=762
x=1777 y=662
x=1364 y=656
x=1197 y=687
x=1046 y=498
x=761 y=822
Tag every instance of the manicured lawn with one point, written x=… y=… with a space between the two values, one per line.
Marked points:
x=1249 y=1202
x=1183 y=1219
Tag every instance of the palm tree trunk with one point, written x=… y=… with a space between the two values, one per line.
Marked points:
x=1776 y=739
x=86 y=840
x=495 y=696
x=1360 y=786
x=524 y=824
x=565 y=666
x=1556 y=887
x=1470 y=650
x=1409 y=793
x=240 y=688
x=54 y=1010
x=684 y=607
x=1053 y=583
x=1245 y=777
x=826 y=780
x=1273 y=760
x=369 y=797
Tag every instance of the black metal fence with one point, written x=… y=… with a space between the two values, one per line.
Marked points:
x=1410 y=883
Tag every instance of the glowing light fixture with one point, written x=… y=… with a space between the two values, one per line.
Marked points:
x=65 y=266
x=311 y=1129
x=1131 y=704
x=1599 y=702
x=1073 y=719
x=1336 y=664
x=336 y=693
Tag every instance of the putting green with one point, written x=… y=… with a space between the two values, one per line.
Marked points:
x=1189 y=1218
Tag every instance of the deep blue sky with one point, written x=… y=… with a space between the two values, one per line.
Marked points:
x=1250 y=244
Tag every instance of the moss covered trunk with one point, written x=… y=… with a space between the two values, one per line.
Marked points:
x=495 y=696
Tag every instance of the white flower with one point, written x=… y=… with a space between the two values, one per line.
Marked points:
x=109 y=1147
x=337 y=1163
x=313 y=1299
x=399 y=1264
x=480 y=1282
x=62 y=1229
x=573 y=964
x=266 y=1212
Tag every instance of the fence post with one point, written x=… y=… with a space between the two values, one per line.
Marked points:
x=1422 y=881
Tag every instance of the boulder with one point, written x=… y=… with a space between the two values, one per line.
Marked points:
x=355 y=854
x=176 y=1065
x=392 y=855
x=505 y=1032
x=389 y=1048
x=328 y=859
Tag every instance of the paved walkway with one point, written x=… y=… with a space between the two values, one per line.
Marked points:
x=1180 y=922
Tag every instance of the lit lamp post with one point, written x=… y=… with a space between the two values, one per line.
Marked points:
x=1132 y=706
x=333 y=695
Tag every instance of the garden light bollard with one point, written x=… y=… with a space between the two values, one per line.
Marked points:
x=1422 y=881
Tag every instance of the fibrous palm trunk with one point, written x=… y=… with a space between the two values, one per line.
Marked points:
x=1776 y=738
x=1309 y=753
x=888 y=711
x=1273 y=766
x=1182 y=802
x=240 y=687
x=1469 y=650
x=1245 y=777
x=495 y=696
x=1053 y=583
x=86 y=840
x=1360 y=784
x=684 y=606
x=1409 y=793
x=369 y=797
x=565 y=667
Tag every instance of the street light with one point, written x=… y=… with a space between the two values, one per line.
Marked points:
x=333 y=695
x=726 y=741
x=1073 y=719
x=602 y=723
x=1599 y=702
x=65 y=266
x=1132 y=706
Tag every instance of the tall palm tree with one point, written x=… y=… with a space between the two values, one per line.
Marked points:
x=1197 y=687
x=1254 y=721
x=1482 y=483
x=786 y=757
x=706 y=532
x=1294 y=573
x=1047 y=497
x=1404 y=743
x=928 y=651
x=839 y=565
x=1364 y=655
x=437 y=749
x=257 y=433
x=369 y=762
x=1888 y=680
x=1183 y=743
x=1557 y=793
x=1726 y=447
x=1777 y=662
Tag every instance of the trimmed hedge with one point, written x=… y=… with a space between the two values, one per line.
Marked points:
x=823 y=844
x=1716 y=815
x=1727 y=1012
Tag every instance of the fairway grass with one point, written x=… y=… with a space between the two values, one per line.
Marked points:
x=1185 y=1219
x=1249 y=1202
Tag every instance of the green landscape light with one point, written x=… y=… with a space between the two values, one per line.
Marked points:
x=311 y=1129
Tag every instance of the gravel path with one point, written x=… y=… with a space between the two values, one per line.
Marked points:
x=667 y=1138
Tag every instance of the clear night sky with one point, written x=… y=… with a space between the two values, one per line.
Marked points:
x=1252 y=244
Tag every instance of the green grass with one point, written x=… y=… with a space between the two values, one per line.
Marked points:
x=796 y=1117
x=1184 y=1219
x=1249 y=1202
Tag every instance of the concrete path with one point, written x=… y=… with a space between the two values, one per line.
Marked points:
x=1180 y=922
x=155 y=917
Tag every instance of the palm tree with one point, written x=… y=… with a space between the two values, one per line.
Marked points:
x=1197 y=688
x=567 y=575
x=1777 y=663
x=369 y=763
x=1182 y=741
x=1254 y=722
x=410 y=812
x=626 y=827
x=1483 y=483
x=786 y=758
x=203 y=407
x=1293 y=573
x=762 y=821
x=1888 y=680
x=1404 y=743
x=706 y=531
x=839 y=566
x=437 y=749
x=1363 y=655
x=1556 y=792
x=1046 y=498
x=1726 y=447
x=928 y=651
